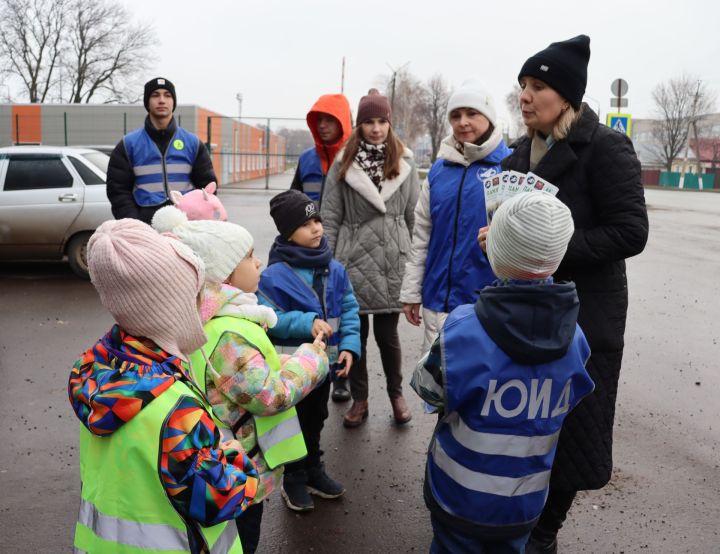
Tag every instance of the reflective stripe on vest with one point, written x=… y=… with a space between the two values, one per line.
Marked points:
x=489 y=484
x=151 y=536
x=311 y=174
x=120 y=472
x=279 y=436
x=498 y=444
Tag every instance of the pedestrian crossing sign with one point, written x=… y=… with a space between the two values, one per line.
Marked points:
x=621 y=122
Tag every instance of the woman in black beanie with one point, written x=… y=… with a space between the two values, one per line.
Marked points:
x=598 y=175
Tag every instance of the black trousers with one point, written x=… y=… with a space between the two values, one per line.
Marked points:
x=312 y=412
x=248 y=526
x=388 y=341
x=553 y=515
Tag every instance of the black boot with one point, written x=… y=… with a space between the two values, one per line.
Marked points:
x=543 y=539
x=340 y=391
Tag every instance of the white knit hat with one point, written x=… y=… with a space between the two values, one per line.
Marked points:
x=220 y=244
x=528 y=236
x=149 y=283
x=471 y=94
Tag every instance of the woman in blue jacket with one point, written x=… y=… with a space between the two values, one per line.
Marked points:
x=446 y=267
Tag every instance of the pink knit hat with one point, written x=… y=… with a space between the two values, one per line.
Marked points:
x=149 y=283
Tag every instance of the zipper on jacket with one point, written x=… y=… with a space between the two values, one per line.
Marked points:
x=454 y=243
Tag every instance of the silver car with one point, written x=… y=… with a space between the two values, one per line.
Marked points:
x=51 y=201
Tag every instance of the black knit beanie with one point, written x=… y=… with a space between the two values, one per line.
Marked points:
x=155 y=84
x=563 y=66
x=290 y=209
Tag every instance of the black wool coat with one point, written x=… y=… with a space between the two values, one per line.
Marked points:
x=598 y=174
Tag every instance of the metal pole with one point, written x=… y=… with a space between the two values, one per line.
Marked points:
x=17 y=128
x=65 y=126
x=342 y=77
x=124 y=123
x=209 y=132
x=267 y=155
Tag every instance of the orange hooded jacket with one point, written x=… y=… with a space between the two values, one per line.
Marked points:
x=336 y=105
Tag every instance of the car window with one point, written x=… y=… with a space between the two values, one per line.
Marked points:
x=36 y=171
x=86 y=173
x=98 y=159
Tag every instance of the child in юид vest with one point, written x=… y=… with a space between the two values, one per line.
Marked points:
x=311 y=293
x=505 y=372
x=151 y=454
x=243 y=374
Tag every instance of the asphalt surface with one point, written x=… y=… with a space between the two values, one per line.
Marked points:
x=664 y=496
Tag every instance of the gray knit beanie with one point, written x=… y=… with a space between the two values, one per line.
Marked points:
x=529 y=236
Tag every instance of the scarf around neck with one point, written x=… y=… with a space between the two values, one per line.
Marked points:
x=283 y=250
x=371 y=158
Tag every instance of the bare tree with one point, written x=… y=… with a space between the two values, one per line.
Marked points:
x=512 y=101
x=409 y=104
x=680 y=103
x=438 y=94
x=31 y=43
x=297 y=140
x=106 y=52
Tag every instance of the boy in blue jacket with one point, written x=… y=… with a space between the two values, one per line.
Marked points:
x=505 y=372
x=310 y=293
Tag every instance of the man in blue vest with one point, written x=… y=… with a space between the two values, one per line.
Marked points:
x=151 y=161
x=505 y=372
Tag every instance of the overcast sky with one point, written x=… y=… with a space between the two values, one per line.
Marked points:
x=281 y=55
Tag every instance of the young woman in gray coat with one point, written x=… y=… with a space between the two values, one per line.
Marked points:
x=368 y=213
x=598 y=175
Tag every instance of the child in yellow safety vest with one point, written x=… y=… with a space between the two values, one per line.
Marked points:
x=250 y=387
x=155 y=474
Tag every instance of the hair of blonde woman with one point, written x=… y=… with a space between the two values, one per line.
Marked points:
x=564 y=123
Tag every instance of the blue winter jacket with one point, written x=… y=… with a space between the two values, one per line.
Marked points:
x=289 y=291
x=455 y=267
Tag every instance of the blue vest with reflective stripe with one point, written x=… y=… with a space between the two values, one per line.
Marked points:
x=289 y=291
x=311 y=174
x=157 y=174
x=490 y=458
x=455 y=268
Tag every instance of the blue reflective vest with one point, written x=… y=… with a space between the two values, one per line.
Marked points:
x=455 y=267
x=156 y=174
x=311 y=174
x=490 y=459
x=282 y=286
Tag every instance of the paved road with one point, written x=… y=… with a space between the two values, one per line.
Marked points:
x=665 y=492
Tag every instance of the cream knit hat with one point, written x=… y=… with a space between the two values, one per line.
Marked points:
x=528 y=236
x=472 y=94
x=221 y=245
x=149 y=283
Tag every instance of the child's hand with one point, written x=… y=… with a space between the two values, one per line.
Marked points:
x=231 y=444
x=482 y=238
x=345 y=358
x=412 y=313
x=321 y=326
x=318 y=342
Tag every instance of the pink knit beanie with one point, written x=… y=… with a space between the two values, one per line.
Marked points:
x=149 y=283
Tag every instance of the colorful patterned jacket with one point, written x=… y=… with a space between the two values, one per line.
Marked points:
x=239 y=380
x=116 y=379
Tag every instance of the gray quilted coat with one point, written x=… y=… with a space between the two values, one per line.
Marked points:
x=369 y=230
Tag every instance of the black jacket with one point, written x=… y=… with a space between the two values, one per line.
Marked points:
x=598 y=174
x=121 y=179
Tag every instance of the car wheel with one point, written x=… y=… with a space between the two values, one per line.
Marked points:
x=77 y=254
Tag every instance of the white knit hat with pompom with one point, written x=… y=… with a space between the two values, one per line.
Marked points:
x=221 y=245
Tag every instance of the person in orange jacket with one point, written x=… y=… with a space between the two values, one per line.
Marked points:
x=330 y=123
